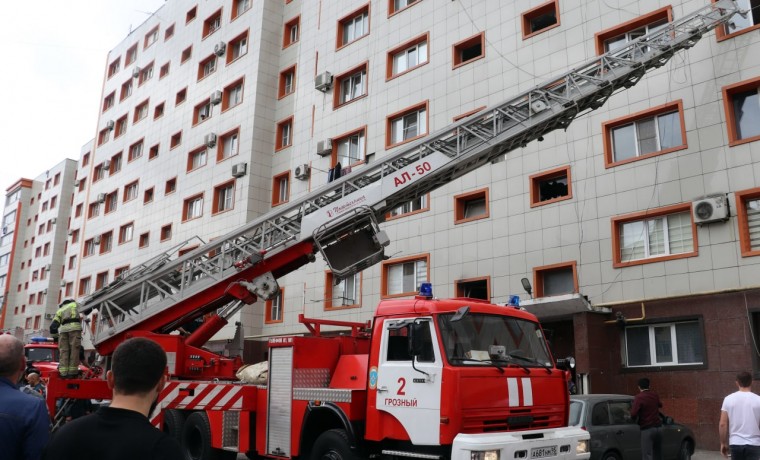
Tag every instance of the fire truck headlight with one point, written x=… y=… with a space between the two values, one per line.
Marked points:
x=484 y=455
x=582 y=447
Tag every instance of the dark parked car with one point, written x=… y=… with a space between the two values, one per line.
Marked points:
x=615 y=435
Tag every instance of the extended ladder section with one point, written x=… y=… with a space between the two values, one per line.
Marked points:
x=340 y=219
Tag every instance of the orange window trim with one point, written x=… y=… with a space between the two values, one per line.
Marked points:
x=720 y=32
x=641 y=21
x=328 y=302
x=540 y=10
x=467 y=114
x=268 y=309
x=350 y=16
x=535 y=179
x=426 y=208
x=650 y=214
x=296 y=21
x=487 y=279
x=389 y=119
x=337 y=139
x=389 y=55
x=197 y=112
x=166 y=229
x=280 y=125
x=276 y=188
x=741 y=213
x=728 y=96
x=186 y=201
x=460 y=203
x=391 y=11
x=608 y=126
x=217 y=189
x=226 y=93
x=384 y=274
x=281 y=87
x=229 y=59
x=538 y=279
x=339 y=81
x=220 y=144
x=456 y=61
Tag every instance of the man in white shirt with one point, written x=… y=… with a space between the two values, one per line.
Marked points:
x=739 y=426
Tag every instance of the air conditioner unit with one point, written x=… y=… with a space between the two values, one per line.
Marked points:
x=48 y=267
x=63 y=283
x=220 y=48
x=107 y=164
x=96 y=240
x=110 y=125
x=44 y=291
x=302 y=172
x=216 y=97
x=71 y=232
x=136 y=72
x=76 y=184
x=239 y=170
x=323 y=82
x=53 y=221
x=5 y=230
x=210 y=140
x=49 y=316
x=101 y=197
x=324 y=147
x=711 y=209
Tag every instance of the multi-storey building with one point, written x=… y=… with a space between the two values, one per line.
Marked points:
x=32 y=249
x=215 y=112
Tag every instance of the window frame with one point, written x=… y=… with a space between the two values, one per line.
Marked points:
x=133 y=147
x=136 y=118
x=217 y=195
x=721 y=34
x=208 y=22
x=235 y=10
x=143 y=241
x=403 y=47
x=536 y=179
x=540 y=10
x=458 y=287
x=728 y=98
x=648 y=215
x=198 y=116
x=186 y=206
x=361 y=131
x=402 y=113
x=278 y=145
x=745 y=244
x=456 y=48
x=349 y=74
x=327 y=303
x=401 y=260
x=460 y=204
x=641 y=21
x=276 y=184
x=281 y=87
x=392 y=11
x=165 y=234
x=664 y=322
x=609 y=126
x=203 y=66
x=134 y=185
x=227 y=91
x=424 y=208
x=175 y=140
x=538 y=280
x=191 y=156
x=268 y=308
x=351 y=17
x=123 y=231
x=287 y=32
x=220 y=145
x=233 y=43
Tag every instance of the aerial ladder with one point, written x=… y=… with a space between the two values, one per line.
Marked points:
x=341 y=219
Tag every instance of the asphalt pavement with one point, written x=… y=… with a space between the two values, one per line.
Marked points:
x=706 y=455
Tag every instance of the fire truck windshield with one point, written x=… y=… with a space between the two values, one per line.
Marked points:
x=40 y=354
x=478 y=339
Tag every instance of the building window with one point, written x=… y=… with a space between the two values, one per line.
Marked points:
x=469 y=50
x=131 y=55
x=109 y=100
x=665 y=344
x=115 y=165
x=103 y=136
x=281 y=188
x=93 y=210
x=274 y=308
x=98 y=174
x=144 y=240
x=239 y=7
x=89 y=247
x=148 y=196
x=153 y=152
x=101 y=280
x=471 y=206
x=181 y=96
x=550 y=186
x=349 y=149
x=474 y=288
x=171 y=186
x=72 y=262
x=350 y=85
x=739 y=25
x=78 y=210
x=540 y=19
x=238 y=47
x=130 y=191
x=166 y=232
x=86 y=159
x=407 y=56
x=113 y=67
x=346 y=294
x=202 y=112
x=135 y=151
x=655 y=235
x=291 y=32
x=284 y=134
x=206 y=67
x=196 y=159
x=145 y=74
x=169 y=32
x=126 y=232
x=112 y=201
x=106 y=242
x=232 y=95
x=228 y=146
x=556 y=279
x=406 y=125
x=619 y=36
x=741 y=102
x=212 y=23
x=645 y=134
x=84 y=286
x=394 y=6
x=187 y=53
x=191 y=14
x=748 y=213
x=192 y=208
x=141 y=111
x=402 y=277
x=353 y=26
x=287 y=82
x=163 y=70
x=126 y=90
x=224 y=197
x=158 y=112
x=175 y=140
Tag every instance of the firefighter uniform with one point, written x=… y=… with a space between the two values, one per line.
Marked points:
x=69 y=338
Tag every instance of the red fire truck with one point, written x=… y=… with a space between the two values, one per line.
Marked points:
x=42 y=355
x=428 y=379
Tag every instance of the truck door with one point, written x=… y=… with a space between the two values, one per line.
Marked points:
x=409 y=388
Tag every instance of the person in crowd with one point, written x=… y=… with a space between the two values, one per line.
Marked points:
x=35 y=385
x=739 y=426
x=122 y=430
x=646 y=407
x=24 y=420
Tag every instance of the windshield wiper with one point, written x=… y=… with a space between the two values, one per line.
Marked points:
x=509 y=357
x=484 y=361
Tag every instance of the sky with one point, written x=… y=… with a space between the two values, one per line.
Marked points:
x=53 y=61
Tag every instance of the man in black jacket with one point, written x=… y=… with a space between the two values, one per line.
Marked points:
x=122 y=431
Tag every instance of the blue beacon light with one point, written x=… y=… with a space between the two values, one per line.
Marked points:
x=426 y=290
x=514 y=301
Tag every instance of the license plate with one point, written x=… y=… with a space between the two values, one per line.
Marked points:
x=543 y=452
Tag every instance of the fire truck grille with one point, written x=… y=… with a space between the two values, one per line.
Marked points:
x=513 y=420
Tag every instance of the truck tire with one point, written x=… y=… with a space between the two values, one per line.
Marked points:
x=332 y=445
x=196 y=439
x=174 y=422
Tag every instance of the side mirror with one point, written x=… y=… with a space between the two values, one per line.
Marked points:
x=417 y=338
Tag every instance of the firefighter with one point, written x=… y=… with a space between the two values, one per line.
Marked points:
x=69 y=338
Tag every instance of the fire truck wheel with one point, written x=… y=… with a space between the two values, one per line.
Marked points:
x=332 y=445
x=174 y=421
x=196 y=439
